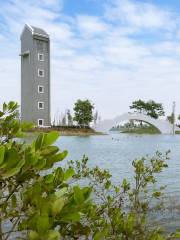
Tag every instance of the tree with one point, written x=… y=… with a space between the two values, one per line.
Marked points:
x=37 y=206
x=69 y=118
x=154 y=109
x=150 y=108
x=95 y=117
x=138 y=106
x=83 y=112
x=40 y=199
x=171 y=118
x=122 y=210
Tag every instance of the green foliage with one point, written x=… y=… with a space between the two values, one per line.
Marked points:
x=41 y=200
x=83 y=114
x=122 y=211
x=171 y=118
x=38 y=204
x=154 y=109
x=9 y=122
x=150 y=108
x=137 y=129
x=27 y=126
x=138 y=106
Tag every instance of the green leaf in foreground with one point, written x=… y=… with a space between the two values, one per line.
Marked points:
x=43 y=224
x=2 y=151
x=33 y=235
x=78 y=195
x=74 y=217
x=36 y=192
x=50 y=138
x=69 y=173
x=99 y=236
x=53 y=235
x=57 y=206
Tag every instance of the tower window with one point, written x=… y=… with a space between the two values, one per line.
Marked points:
x=40 y=122
x=40 y=89
x=40 y=57
x=40 y=105
x=40 y=73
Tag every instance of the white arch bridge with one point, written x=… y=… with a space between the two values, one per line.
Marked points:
x=164 y=126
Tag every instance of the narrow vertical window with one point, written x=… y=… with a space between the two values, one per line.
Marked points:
x=40 y=122
x=40 y=73
x=40 y=89
x=40 y=57
x=40 y=105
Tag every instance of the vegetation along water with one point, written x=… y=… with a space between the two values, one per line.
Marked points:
x=46 y=195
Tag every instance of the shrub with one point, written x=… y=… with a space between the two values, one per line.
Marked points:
x=40 y=200
x=123 y=212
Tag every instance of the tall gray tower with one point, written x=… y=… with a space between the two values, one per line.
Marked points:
x=35 y=76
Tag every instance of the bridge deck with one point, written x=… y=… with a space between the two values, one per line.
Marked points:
x=164 y=126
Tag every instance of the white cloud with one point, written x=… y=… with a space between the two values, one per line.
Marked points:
x=98 y=57
x=91 y=25
x=140 y=14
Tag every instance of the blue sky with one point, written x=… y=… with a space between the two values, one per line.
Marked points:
x=110 y=51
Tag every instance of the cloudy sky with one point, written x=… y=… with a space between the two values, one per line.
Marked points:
x=110 y=51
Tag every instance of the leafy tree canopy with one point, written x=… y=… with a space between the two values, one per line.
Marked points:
x=150 y=108
x=171 y=118
x=40 y=199
x=83 y=112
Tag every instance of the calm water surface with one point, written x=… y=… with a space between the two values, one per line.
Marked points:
x=116 y=152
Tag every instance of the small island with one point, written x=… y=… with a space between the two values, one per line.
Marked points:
x=76 y=124
x=64 y=131
x=136 y=128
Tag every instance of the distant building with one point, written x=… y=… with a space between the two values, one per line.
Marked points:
x=35 y=76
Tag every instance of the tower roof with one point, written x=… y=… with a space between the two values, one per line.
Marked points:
x=37 y=31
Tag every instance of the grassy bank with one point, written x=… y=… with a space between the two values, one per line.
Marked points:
x=65 y=131
x=141 y=130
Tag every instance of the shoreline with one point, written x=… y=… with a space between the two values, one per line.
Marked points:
x=66 y=131
x=140 y=130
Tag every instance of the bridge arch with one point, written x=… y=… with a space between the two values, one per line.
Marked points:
x=162 y=125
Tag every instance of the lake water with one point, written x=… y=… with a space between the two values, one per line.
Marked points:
x=116 y=153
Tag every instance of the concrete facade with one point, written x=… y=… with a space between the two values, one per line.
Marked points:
x=35 y=76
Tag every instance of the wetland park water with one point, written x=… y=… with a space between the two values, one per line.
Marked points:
x=116 y=153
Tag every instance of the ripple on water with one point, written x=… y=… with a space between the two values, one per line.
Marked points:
x=116 y=152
